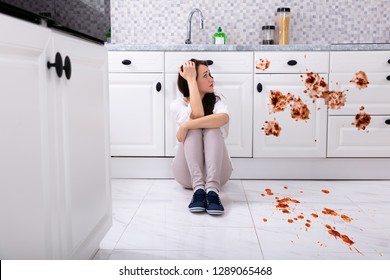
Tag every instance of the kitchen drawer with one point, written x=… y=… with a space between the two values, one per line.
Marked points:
x=375 y=97
x=354 y=61
x=345 y=140
x=223 y=62
x=141 y=62
x=284 y=62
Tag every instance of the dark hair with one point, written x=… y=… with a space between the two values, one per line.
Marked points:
x=209 y=98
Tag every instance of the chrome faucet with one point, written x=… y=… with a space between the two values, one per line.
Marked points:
x=201 y=18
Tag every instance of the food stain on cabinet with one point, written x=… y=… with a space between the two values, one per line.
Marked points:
x=362 y=119
x=315 y=88
x=279 y=101
x=299 y=110
x=286 y=204
x=271 y=128
x=360 y=80
x=263 y=64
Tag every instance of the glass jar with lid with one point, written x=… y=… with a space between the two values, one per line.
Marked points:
x=268 y=34
x=283 y=20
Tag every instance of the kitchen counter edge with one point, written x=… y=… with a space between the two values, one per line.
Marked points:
x=210 y=47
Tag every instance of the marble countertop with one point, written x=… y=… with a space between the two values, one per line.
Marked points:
x=210 y=47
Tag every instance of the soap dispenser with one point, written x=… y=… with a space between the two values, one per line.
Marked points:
x=219 y=37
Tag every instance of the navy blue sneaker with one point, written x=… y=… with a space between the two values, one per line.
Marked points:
x=214 y=205
x=198 y=202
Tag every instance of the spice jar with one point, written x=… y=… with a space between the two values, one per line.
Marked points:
x=283 y=19
x=268 y=32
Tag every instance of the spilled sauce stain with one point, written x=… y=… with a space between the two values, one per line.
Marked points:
x=316 y=87
x=271 y=128
x=263 y=64
x=299 y=110
x=332 y=231
x=362 y=119
x=289 y=205
x=360 y=80
x=335 y=99
x=278 y=101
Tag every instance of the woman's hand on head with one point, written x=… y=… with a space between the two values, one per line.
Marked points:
x=188 y=70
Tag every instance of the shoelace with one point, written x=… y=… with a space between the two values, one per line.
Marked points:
x=213 y=198
x=198 y=197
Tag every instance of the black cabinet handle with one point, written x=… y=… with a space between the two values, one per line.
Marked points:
x=259 y=87
x=387 y=121
x=126 y=62
x=158 y=87
x=57 y=64
x=388 y=61
x=210 y=62
x=68 y=68
x=292 y=62
x=388 y=78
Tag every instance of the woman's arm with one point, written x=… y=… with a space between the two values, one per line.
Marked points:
x=188 y=72
x=196 y=105
x=210 y=121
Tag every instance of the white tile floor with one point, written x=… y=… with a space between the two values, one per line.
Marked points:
x=151 y=221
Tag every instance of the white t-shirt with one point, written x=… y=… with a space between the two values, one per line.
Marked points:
x=181 y=111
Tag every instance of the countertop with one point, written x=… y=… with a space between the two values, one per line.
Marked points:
x=210 y=47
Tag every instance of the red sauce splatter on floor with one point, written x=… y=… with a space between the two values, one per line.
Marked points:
x=328 y=211
x=325 y=191
x=269 y=191
x=346 y=218
x=265 y=220
x=314 y=215
x=332 y=231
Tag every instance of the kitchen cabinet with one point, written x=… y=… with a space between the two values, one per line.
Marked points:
x=286 y=73
x=136 y=103
x=233 y=76
x=55 y=200
x=344 y=139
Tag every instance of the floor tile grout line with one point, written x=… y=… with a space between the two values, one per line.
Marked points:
x=135 y=213
x=253 y=221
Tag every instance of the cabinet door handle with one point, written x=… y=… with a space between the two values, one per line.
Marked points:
x=126 y=62
x=57 y=64
x=158 y=87
x=259 y=87
x=388 y=61
x=387 y=121
x=210 y=62
x=388 y=78
x=292 y=62
x=68 y=68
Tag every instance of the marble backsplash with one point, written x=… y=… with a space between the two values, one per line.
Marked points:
x=312 y=22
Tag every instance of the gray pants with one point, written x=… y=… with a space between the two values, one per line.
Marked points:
x=202 y=160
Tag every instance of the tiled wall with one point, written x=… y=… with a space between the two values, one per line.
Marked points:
x=312 y=21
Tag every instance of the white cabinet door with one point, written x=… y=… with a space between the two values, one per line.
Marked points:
x=345 y=140
x=137 y=114
x=375 y=97
x=237 y=93
x=82 y=122
x=25 y=187
x=302 y=138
